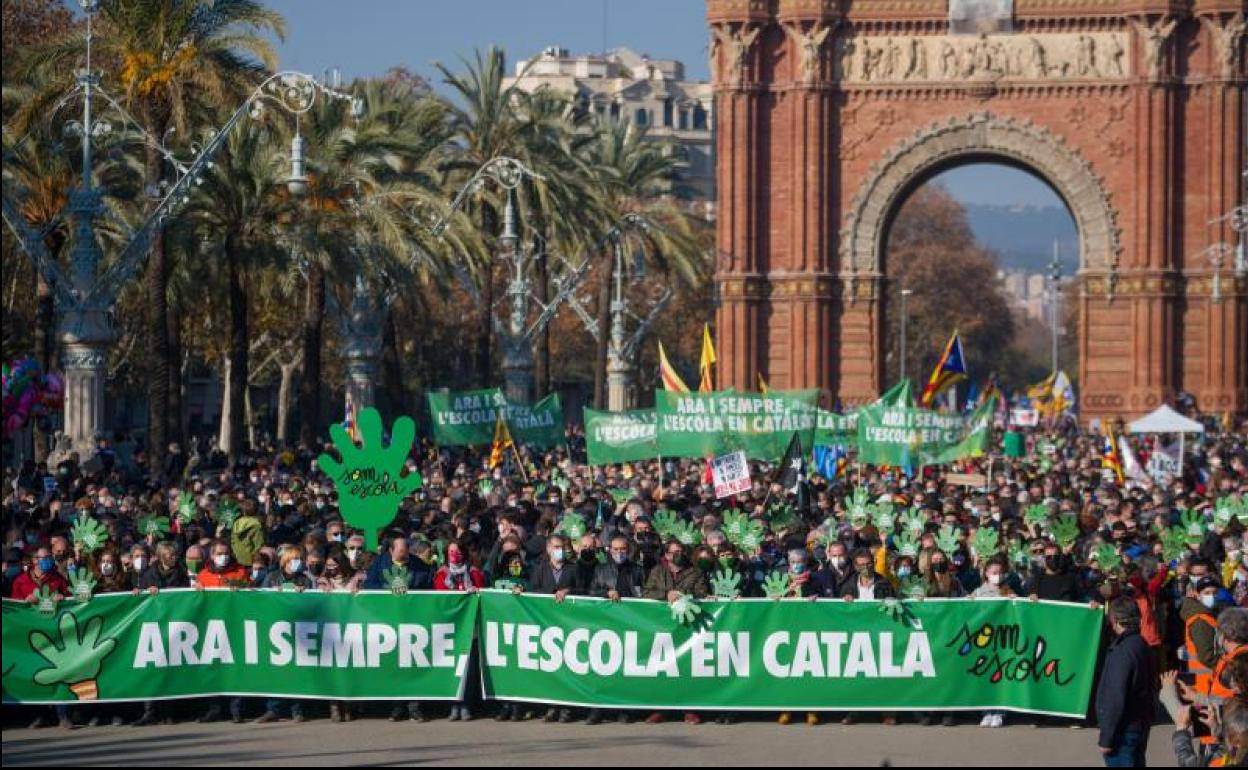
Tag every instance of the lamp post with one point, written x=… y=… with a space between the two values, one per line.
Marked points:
x=1055 y=282
x=515 y=340
x=1217 y=254
x=905 y=293
x=86 y=295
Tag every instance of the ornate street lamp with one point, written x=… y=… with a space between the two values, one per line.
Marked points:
x=86 y=296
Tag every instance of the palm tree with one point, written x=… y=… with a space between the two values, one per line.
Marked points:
x=177 y=58
x=236 y=210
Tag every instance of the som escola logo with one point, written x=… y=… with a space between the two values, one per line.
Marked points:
x=1004 y=652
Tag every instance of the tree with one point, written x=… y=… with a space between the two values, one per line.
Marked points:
x=931 y=250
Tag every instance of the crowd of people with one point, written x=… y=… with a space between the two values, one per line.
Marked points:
x=1167 y=609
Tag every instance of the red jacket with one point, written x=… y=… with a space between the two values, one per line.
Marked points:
x=442 y=579
x=237 y=575
x=25 y=585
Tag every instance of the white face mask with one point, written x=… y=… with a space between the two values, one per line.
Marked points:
x=1209 y=600
x=108 y=568
x=137 y=561
x=221 y=560
x=557 y=556
x=995 y=578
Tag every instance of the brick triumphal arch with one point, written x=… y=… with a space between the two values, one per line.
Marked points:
x=830 y=112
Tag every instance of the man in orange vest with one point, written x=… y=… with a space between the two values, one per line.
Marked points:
x=1200 y=624
x=1232 y=643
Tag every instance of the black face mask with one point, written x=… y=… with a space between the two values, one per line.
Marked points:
x=1052 y=563
x=940 y=567
x=679 y=559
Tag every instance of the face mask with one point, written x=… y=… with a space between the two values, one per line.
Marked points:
x=705 y=564
x=995 y=579
x=865 y=570
x=904 y=572
x=221 y=560
x=557 y=556
x=336 y=537
x=797 y=568
x=137 y=561
x=619 y=558
x=315 y=568
x=940 y=567
x=679 y=559
x=475 y=527
x=294 y=566
x=255 y=573
x=194 y=565
x=515 y=568
x=728 y=562
x=1209 y=600
x=353 y=554
x=838 y=562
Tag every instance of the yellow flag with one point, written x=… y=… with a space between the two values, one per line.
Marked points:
x=762 y=384
x=708 y=360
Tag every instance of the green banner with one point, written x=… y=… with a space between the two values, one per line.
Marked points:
x=763 y=654
x=832 y=429
x=977 y=434
x=467 y=418
x=905 y=437
x=181 y=642
x=712 y=424
x=620 y=437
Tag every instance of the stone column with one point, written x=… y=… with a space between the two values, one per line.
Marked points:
x=85 y=338
x=517 y=371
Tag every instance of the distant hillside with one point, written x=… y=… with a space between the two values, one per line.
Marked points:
x=1022 y=236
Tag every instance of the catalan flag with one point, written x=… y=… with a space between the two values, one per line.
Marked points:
x=1110 y=457
x=949 y=369
x=502 y=442
x=762 y=384
x=671 y=380
x=708 y=360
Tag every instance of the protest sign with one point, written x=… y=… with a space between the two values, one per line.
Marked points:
x=730 y=474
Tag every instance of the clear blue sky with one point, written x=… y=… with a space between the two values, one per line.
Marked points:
x=367 y=37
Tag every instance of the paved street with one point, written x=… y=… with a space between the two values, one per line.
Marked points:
x=485 y=742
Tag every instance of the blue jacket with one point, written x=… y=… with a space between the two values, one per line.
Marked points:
x=419 y=575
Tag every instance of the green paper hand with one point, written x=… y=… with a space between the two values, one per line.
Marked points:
x=89 y=534
x=1066 y=531
x=573 y=525
x=985 y=542
x=734 y=524
x=1173 y=543
x=1194 y=526
x=227 y=513
x=1036 y=515
x=884 y=517
x=914 y=520
x=913 y=587
x=154 y=526
x=776 y=585
x=82 y=584
x=685 y=610
x=726 y=584
x=947 y=539
x=368 y=482
x=664 y=523
x=75 y=658
x=1019 y=553
x=688 y=533
x=395 y=576
x=186 y=507
x=907 y=544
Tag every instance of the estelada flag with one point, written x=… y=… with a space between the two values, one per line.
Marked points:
x=671 y=380
x=708 y=360
x=949 y=369
x=502 y=442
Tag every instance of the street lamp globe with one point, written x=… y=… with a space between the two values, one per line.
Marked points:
x=297 y=184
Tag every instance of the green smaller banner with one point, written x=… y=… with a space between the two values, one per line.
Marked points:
x=977 y=433
x=834 y=429
x=467 y=418
x=621 y=437
x=698 y=425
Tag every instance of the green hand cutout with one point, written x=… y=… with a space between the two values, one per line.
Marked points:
x=45 y=600
x=82 y=583
x=186 y=507
x=154 y=526
x=685 y=610
x=1173 y=543
x=1066 y=531
x=884 y=517
x=395 y=576
x=947 y=539
x=1036 y=515
x=914 y=520
x=664 y=523
x=1019 y=553
x=776 y=585
x=726 y=584
x=76 y=657
x=907 y=544
x=88 y=533
x=688 y=533
x=913 y=587
x=1194 y=526
x=734 y=524
x=1106 y=557
x=368 y=482
x=572 y=525
x=985 y=542
x=227 y=513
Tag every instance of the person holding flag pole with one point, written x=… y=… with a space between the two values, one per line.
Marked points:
x=503 y=442
x=1110 y=458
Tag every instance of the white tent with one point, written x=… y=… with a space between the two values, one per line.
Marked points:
x=1165 y=420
